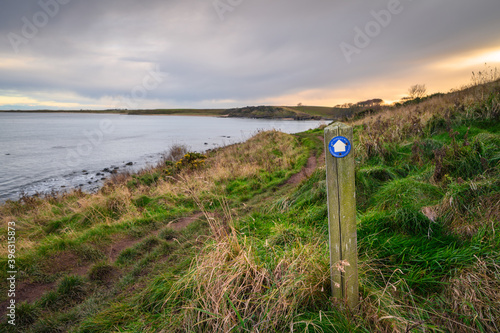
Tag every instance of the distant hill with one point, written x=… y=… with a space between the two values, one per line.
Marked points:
x=269 y=112
x=341 y=111
x=326 y=112
x=304 y=112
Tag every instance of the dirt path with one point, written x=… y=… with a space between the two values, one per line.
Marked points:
x=306 y=172
x=65 y=262
x=185 y=221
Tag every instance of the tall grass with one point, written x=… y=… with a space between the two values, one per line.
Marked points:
x=228 y=287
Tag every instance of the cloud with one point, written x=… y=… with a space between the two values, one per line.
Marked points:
x=89 y=53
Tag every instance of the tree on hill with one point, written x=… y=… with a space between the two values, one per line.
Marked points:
x=417 y=91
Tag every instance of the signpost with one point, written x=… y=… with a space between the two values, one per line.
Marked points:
x=342 y=213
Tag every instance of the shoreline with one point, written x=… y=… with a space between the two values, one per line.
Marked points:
x=217 y=113
x=90 y=179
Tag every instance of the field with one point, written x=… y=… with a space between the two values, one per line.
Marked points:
x=236 y=240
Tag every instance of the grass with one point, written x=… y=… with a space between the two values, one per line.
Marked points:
x=256 y=258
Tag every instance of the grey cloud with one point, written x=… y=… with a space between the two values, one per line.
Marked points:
x=261 y=49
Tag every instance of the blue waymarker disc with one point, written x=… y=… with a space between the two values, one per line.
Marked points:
x=339 y=146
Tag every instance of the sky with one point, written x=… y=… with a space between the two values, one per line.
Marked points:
x=144 y=54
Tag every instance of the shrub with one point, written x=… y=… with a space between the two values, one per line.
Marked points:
x=191 y=161
x=175 y=153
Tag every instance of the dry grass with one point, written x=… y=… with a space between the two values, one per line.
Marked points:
x=390 y=305
x=267 y=151
x=472 y=206
x=389 y=127
x=466 y=225
x=470 y=302
x=118 y=178
x=32 y=219
x=31 y=215
x=227 y=288
x=475 y=294
x=397 y=125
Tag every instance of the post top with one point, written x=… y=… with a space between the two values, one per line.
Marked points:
x=337 y=126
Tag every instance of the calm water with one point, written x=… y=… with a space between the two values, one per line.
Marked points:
x=42 y=152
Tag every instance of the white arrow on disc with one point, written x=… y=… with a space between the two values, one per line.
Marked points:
x=339 y=147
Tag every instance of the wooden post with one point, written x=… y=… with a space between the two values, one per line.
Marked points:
x=342 y=214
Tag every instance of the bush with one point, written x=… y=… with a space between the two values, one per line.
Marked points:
x=191 y=161
x=175 y=153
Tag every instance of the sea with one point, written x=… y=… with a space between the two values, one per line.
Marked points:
x=43 y=153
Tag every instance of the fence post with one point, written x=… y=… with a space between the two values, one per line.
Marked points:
x=342 y=213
